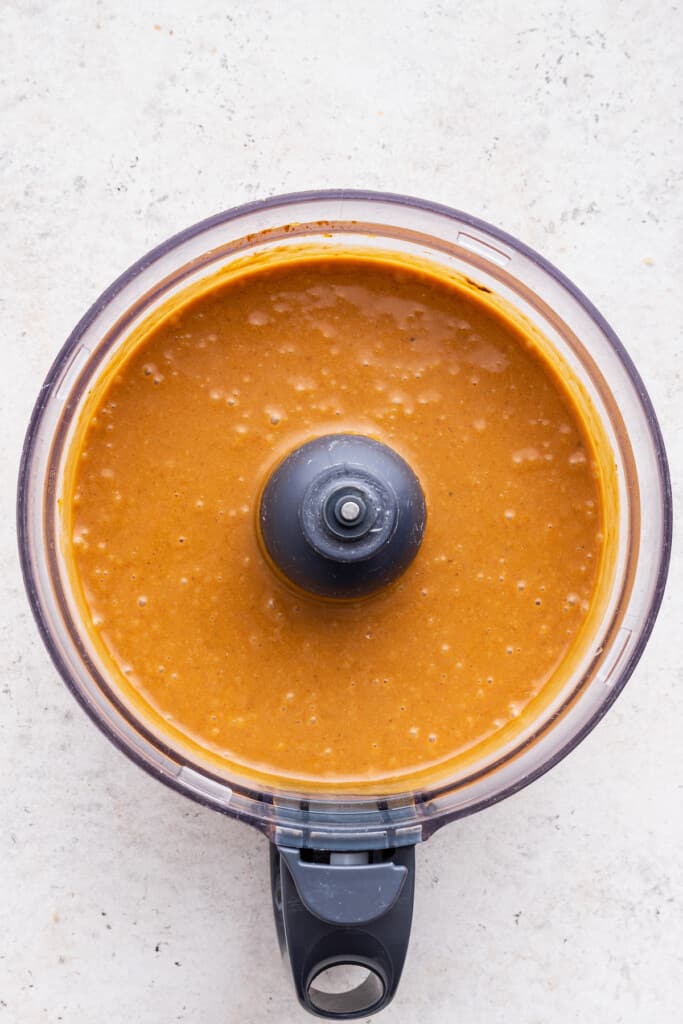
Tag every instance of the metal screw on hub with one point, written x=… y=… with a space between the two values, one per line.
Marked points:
x=350 y=511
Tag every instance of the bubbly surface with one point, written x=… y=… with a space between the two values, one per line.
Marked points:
x=164 y=522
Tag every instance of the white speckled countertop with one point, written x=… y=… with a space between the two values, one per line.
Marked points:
x=122 y=123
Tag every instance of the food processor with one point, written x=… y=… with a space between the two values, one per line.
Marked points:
x=342 y=865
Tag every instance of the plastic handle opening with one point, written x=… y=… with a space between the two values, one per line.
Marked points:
x=344 y=921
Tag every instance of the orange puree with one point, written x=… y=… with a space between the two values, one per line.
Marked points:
x=200 y=635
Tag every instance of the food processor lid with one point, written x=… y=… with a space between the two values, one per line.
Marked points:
x=498 y=264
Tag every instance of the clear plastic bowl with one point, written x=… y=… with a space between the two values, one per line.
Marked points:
x=585 y=342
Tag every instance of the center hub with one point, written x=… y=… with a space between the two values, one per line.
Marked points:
x=342 y=516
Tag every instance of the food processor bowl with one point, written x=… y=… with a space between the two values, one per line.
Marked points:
x=342 y=865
